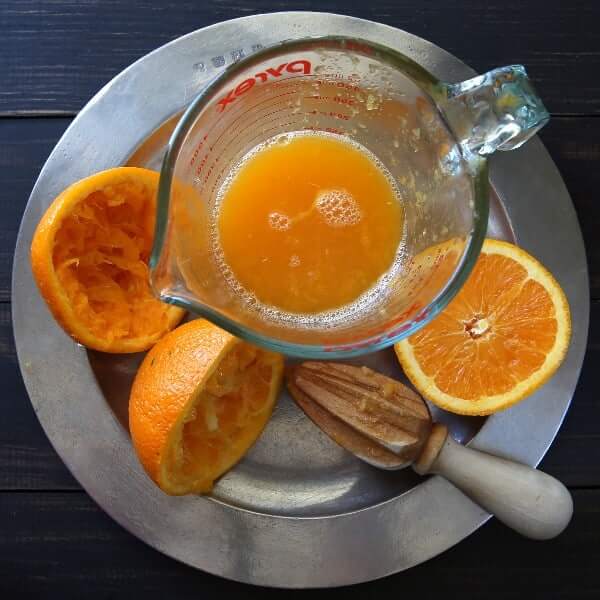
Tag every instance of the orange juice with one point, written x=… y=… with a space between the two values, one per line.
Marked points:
x=309 y=223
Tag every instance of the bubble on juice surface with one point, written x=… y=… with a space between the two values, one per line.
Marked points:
x=294 y=261
x=328 y=319
x=338 y=208
x=279 y=221
x=372 y=102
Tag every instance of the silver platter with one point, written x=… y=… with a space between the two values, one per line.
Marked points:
x=298 y=511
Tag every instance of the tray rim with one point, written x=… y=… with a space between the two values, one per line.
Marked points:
x=492 y=436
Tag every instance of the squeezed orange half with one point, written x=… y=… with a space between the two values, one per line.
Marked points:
x=309 y=222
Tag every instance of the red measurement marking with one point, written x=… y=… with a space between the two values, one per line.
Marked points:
x=346 y=101
x=359 y=47
x=356 y=346
x=327 y=129
x=347 y=86
x=297 y=66
x=252 y=108
x=334 y=115
x=229 y=126
x=261 y=134
x=260 y=92
x=197 y=150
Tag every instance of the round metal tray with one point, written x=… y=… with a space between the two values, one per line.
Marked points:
x=298 y=511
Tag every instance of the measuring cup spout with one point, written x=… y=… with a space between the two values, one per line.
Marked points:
x=499 y=110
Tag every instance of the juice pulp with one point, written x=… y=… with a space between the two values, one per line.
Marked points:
x=308 y=223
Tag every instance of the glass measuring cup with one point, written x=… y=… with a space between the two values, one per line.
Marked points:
x=432 y=137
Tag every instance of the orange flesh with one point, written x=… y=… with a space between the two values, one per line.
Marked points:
x=494 y=334
x=228 y=410
x=309 y=224
x=100 y=256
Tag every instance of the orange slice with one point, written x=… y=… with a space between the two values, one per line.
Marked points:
x=89 y=257
x=199 y=401
x=503 y=336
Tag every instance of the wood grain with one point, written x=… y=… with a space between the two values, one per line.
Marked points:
x=56 y=55
x=574 y=144
x=61 y=545
x=27 y=460
x=25 y=143
x=24 y=147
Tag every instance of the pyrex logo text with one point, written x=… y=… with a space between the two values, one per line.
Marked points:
x=297 y=66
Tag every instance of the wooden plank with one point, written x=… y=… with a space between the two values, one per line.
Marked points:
x=28 y=462
x=26 y=142
x=574 y=144
x=62 y=545
x=24 y=147
x=27 y=459
x=574 y=457
x=56 y=55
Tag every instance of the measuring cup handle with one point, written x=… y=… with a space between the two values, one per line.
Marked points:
x=499 y=110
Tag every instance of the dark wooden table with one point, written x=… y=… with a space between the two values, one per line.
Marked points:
x=54 y=55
